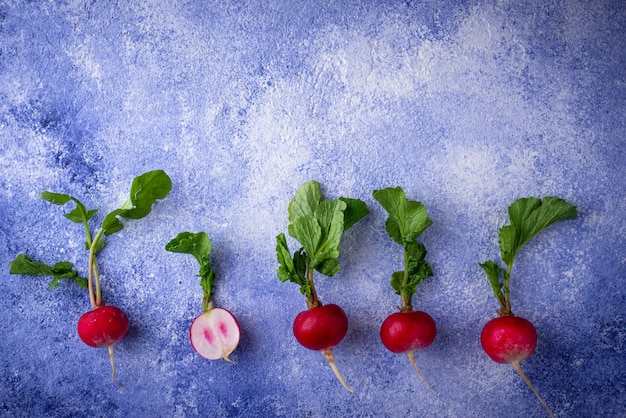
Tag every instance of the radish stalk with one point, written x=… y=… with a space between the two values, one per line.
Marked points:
x=407 y=330
x=508 y=338
x=318 y=225
x=215 y=333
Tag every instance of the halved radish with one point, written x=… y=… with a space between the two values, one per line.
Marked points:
x=215 y=334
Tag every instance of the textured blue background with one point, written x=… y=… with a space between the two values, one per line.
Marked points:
x=467 y=105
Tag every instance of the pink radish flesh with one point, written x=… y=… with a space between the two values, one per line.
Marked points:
x=215 y=334
x=104 y=327
x=321 y=327
x=508 y=339
x=402 y=332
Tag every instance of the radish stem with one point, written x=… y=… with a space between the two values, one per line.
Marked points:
x=328 y=353
x=518 y=369
x=411 y=355
x=110 y=348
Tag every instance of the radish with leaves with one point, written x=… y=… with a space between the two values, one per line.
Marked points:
x=509 y=338
x=407 y=330
x=318 y=225
x=103 y=326
x=215 y=333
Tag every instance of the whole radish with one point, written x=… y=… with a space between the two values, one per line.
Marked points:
x=407 y=330
x=318 y=225
x=103 y=326
x=508 y=338
x=215 y=333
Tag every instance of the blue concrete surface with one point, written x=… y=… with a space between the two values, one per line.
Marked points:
x=466 y=105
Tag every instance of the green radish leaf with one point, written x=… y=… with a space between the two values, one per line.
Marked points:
x=529 y=216
x=328 y=267
x=55 y=198
x=199 y=246
x=145 y=190
x=392 y=228
x=356 y=210
x=329 y=215
x=196 y=244
x=396 y=281
x=61 y=270
x=409 y=215
x=26 y=265
x=291 y=269
x=493 y=275
x=306 y=199
x=308 y=232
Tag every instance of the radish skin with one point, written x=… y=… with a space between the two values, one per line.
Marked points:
x=104 y=327
x=510 y=339
x=321 y=328
x=215 y=334
x=405 y=332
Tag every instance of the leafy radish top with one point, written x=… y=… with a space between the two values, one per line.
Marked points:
x=198 y=245
x=318 y=225
x=407 y=220
x=145 y=190
x=528 y=216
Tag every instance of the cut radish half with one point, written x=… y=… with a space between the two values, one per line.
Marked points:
x=215 y=334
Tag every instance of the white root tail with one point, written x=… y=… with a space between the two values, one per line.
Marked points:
x=110 y=347
x=411 y=355
x=328 y=353
x=518 y=369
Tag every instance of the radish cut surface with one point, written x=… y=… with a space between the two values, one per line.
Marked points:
x=215 y=334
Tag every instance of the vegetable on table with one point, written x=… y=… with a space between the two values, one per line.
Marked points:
x=215 y=333
x=407 y=330
x=509 y=338
x=103 y=326
x=318 y=225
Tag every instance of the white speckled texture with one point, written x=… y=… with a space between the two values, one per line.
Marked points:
x=466 y=105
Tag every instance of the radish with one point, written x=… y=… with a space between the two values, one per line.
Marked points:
x=318 y=225
x=508 y=338
x=103 y=325
x=407 y=330
x=215 y=333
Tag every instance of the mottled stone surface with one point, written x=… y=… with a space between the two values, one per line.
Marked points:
x=466 y=105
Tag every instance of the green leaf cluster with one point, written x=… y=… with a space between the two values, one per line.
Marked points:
x=199 y=246
x=61 y=270
x=406 y=222
x=317 y=224
x=527 y=216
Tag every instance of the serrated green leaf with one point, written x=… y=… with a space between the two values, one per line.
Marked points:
x=409 y=215
x=26 y=265
x=392 y=228
x=328 y=267
x=529 y=216
x=304 y=202
x=396 y=281
x=355 y=210
x=308 y=232
x=196 y=244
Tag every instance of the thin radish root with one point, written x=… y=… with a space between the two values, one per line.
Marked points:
x=411 y=355
x=518 y=369
x=110 y=347
x=328 y=353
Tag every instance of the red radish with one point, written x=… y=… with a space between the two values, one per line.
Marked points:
x=510 y=339
x=215 y=334
x=318 y=225
x=321 y=328
x=407 y=330
x=104 y=327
